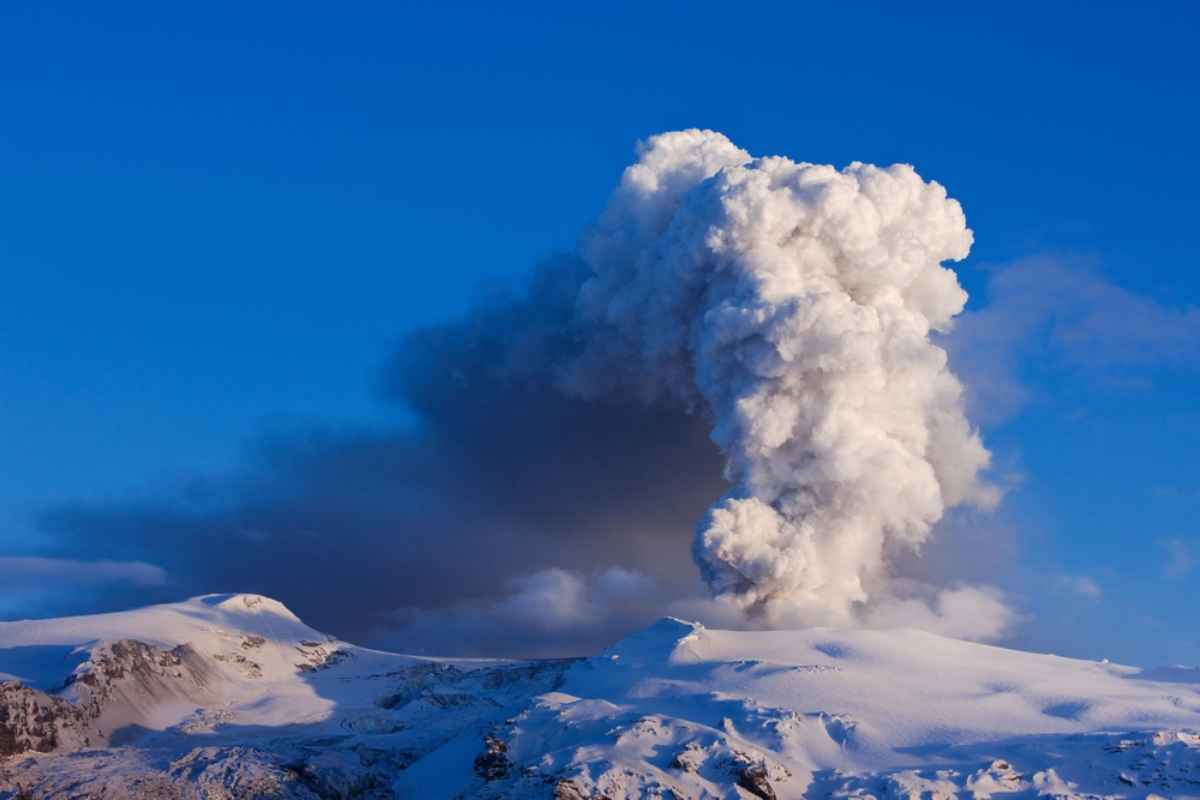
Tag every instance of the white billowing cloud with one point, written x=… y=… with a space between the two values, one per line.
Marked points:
x=962 y=612
x=553 y=599
x=1181 y=558
x=558 y=599
x=551 y=612
x=973 y=613
x=793 y=303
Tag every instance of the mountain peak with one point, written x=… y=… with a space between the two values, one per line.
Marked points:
x=245 y=603
x=656 y=643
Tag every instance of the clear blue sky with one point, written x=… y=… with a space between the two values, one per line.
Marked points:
x=215 y=219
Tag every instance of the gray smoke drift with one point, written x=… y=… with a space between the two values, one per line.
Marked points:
x=793 y=303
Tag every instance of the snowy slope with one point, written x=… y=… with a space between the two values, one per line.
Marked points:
x=255 y=651
x=233 y=696
x=875 y=712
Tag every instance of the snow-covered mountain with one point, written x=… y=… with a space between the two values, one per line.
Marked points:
x=232 y=696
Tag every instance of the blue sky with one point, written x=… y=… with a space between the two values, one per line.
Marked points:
x=215 y=222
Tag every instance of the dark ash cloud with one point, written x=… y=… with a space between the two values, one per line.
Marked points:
x=501 y=477
x=453 y=532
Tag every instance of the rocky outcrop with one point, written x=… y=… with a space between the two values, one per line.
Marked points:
x=569 y=790
x=754 y=780
x=413 y=682
x=33 y=721
x=414 y=710
x=108 y=693
x=131 y=668
x=173 y=723
x=317 y=655
x=203 y=773
x=493 y=764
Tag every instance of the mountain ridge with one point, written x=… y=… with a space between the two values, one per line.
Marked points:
x=233 y=696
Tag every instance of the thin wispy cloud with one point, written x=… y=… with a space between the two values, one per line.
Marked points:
x=1181 y=558
x=33 y=572
x=1083 y=586
x=1050 y=310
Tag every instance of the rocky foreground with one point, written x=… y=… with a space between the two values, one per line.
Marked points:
x=232 y=696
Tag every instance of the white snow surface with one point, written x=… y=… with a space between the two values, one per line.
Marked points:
x=676 y=710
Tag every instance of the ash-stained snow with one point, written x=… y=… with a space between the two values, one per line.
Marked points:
x=234 y=697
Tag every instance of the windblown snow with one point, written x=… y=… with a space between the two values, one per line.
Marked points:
x=232 y=696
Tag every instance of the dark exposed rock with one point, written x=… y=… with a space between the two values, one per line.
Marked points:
x=251 y=669
x=569 y=790
x=493 y=764
x=416 y=681
x=754 y=780
x=487 y=686
x=34 y=721
x=330 y=776
x=444 y=699
x=319 y=656
x=550 y=671
x=388 y=758
x=688 y=759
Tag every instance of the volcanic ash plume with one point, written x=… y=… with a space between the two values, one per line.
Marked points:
x=794 y=303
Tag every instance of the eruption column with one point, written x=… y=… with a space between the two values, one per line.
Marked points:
x=794 y=303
